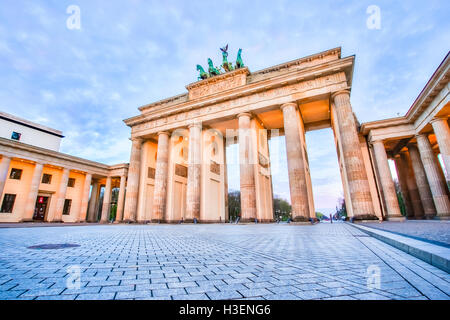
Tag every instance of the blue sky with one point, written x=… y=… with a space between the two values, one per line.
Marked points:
x=129 y=53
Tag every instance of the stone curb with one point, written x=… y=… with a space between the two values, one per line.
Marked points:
x=435 y=255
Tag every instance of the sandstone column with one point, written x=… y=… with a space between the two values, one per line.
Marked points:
x=33 y=192
x=194 y=171
x=358 y=182
x=120 y=200
x=85 y=198
x=387 y=184
x=161 y=173
x=429 y=210
x=442 y=132
x=402 y=173
x=435 y=176
x=131 y=198
x=246 y=164
x=92 y=214
x=412 y=186
x=296 y=163
x=4 y=169
x=106 y=201
x=60 y=197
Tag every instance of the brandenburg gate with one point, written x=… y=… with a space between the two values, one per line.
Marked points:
x=177 y=168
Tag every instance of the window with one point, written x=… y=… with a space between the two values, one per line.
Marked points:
x=71 y=183
x=16 y=136
x=8 y=203
x=47 y=178
x=15 y=174
x=66 y=209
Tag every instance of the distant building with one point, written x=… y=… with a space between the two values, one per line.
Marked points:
x=25 y=131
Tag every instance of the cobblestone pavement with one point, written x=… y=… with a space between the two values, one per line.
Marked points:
x=434 y=231
x=324 y=261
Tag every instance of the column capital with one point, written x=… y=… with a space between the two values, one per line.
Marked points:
x=337 y=93
x=289 y=104
x=421 y=135
x=195 y=124
x=163 y=132
x=244 y=114
x=436 y=119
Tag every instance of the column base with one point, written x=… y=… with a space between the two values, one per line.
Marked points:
x=128 y=221
x=441 y=218
x=248 y=220
x=301 y=219
x=364 y=218
x=396 y=218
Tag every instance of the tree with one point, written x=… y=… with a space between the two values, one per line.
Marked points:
x=341 y=210
x=234 y=204
x=401 y=201
x=281 y=208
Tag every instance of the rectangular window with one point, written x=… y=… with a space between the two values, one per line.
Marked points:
x=15 y=174
x=67 y=204
x=71 y=183
x=16 y=135
x=8 y=203
x=47 y=178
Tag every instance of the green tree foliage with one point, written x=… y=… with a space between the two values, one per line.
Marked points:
x=401 y=201
x=234 y=204
x=281 y=208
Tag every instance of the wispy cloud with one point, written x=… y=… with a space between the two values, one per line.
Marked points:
x=129 y=53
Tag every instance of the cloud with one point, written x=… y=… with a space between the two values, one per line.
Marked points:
x=131 y=53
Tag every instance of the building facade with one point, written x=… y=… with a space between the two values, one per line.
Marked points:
x=177 y=170
x=38 y=183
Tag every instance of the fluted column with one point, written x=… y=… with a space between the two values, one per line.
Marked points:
x=131 y=198
x=4 y=169
x=92 y=214
x=106 y=201
x=60 y=197
x=296 y=163
x=411 y=184
x=358 y=182
x=435 y=176
x=33 y=192
x=120 y=200
x=429 y=210
x=85 y=198
x=194 y=171
x=387 y=184
x=442 y=132
x=161 y=173
x=401 y=169
x=246 y=165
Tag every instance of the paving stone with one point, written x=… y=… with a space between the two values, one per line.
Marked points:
x=213 y=261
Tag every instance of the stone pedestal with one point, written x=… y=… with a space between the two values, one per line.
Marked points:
x=85 y=198
x=133 y=182
x=296 y=163
x=358 y=182
x=106 y=201
x=247 y=173
x=161 y=172
x=194 y=171
x=426 y=198
x=120 y=200
x=442 y=132
x=435 y=177
x=387 y=184
x=33 y=192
